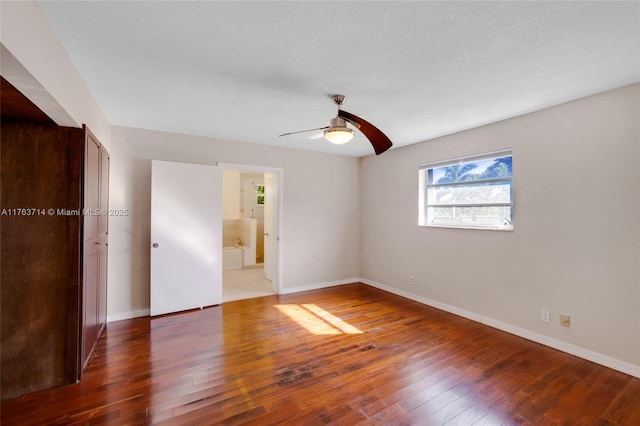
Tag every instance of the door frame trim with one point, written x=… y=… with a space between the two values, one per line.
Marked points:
x=279 y=171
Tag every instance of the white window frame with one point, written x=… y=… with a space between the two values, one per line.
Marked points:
x=423 y=187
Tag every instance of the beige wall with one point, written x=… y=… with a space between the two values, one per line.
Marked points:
x=321 y=222
x=230 y=195
x=575 y=248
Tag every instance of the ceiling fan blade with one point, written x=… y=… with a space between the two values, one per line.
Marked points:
x=303 y=131
x=379 y=140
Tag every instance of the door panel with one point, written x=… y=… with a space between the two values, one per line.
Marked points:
x=103 y=228
x=186 y=236
x=91 y=325
x=103 y=218
x=91 y=187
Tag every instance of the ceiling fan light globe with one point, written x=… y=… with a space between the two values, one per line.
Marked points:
x=338 y=135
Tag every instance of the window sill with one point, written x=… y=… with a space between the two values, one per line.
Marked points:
x=508 y=229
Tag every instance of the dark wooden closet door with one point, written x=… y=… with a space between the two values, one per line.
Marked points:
x=91 y=242
x=95 y=241
x=103 y=235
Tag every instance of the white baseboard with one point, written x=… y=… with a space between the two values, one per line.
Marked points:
x=147 y=312
x=317 y=286
x=625 y=367
x=128 y=315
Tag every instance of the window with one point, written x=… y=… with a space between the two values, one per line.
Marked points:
x=260 y=195
x=471 y=192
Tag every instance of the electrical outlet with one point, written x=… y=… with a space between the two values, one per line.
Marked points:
x=565 y=320
x=412 y=281
x=545 y=316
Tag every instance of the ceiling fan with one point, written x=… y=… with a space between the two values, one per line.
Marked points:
x=338 y=132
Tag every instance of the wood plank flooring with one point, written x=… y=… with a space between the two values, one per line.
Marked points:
x=348 y=355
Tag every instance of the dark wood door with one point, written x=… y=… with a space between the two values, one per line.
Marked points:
x=103 y=235
x=91 y=245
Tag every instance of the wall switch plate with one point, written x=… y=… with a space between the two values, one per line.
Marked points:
x=565 y=320
x=545 y=316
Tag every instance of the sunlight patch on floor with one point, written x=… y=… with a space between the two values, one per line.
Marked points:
x=316 y=320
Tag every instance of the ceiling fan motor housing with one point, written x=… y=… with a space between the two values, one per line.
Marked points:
x=338 y=133
x=338 y=122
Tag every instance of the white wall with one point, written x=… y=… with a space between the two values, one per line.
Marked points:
x=575 y=248
x=320 y=235
x=36 y=62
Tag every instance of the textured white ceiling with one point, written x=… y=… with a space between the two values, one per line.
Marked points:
x=249 y=71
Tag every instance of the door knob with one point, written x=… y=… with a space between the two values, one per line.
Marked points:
x=266 y=234
x=155 y=245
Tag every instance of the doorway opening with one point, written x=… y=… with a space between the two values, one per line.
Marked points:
x=250 y=231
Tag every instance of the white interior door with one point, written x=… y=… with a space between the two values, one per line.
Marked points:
x=186 y=236
x=270 y=226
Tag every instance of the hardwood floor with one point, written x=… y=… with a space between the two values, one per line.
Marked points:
x=344 y=355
